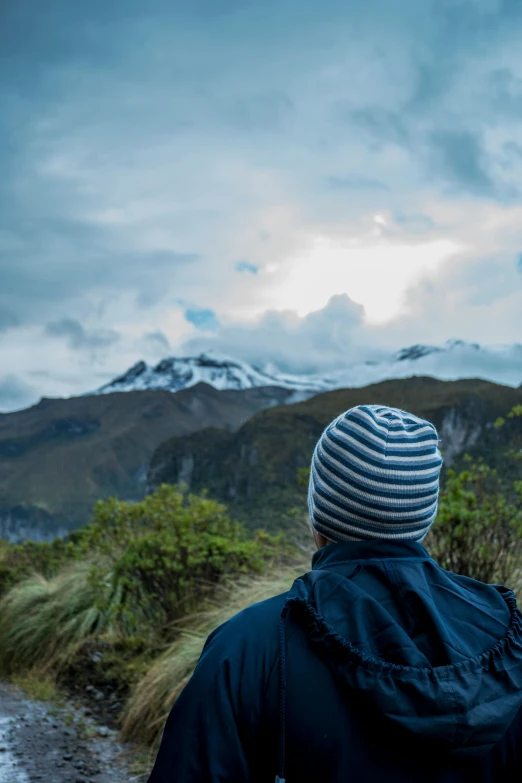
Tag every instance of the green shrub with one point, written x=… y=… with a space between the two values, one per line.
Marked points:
x=167 y=553
x=131 y=572
x=478 y=530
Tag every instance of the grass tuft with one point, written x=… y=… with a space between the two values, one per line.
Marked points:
x=36 y=686
x=152 y=699
x=44 y=621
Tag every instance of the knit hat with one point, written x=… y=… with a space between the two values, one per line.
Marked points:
x=375 y=474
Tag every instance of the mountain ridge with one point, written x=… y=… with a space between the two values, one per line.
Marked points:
x=221 y=371
x=453 y=360
x=61 y=455
x=254 y=469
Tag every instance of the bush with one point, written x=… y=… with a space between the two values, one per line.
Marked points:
x=478 y=531
x=128 y=574
x=167 y=553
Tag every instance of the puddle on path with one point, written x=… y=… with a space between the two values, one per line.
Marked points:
x=10 y=771
x=62 y=745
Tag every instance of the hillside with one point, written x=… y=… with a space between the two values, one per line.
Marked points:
x=254 y=469
x=59 y=456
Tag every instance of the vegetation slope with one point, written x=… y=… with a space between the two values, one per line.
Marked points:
x=253 y=470
x=60 y=456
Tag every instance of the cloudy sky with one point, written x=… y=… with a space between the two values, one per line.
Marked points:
x=309 y=182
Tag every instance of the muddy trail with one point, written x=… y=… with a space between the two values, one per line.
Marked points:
x=40 y=742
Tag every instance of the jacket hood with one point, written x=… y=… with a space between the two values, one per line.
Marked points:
x=437 y=654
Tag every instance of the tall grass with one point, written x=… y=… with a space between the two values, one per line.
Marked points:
x=43 y=622
x=153 y=697
x=132 y=571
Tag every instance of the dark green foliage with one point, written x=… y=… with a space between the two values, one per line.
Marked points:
x=126 y=576
x=512 y=431
x=478 y=531
x=20 y=560
x=303 y=477
x=165 y=553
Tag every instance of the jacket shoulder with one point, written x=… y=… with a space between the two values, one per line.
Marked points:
x=253 y=627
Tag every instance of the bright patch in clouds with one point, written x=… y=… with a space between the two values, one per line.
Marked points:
x=376 y=276
x=304 y=182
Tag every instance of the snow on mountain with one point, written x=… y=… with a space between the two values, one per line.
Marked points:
x=216 y=369
x=451 y=361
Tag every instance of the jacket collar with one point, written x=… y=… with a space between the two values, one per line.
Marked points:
x=338 y=554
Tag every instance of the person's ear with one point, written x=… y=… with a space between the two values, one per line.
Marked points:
x=320 y=540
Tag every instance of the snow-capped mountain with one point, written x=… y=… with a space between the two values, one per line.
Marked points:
x=451 y=361
x=216 y=369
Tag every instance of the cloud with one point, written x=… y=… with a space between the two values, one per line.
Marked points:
x=8 y=320
x=158 y=340
x=78 y=337
x=506 y=92
x=415 y=223
x=461 y=159
x=266 y=112
x=474 y=299
x=203 y=319
x=162 y=140
x=79 y=257
x=246 y=266
x=477 y=299
x=512 y=148
x=432 y=83
x=294 y=344
x=384 y=125
x=15 y=394
x=354 y=183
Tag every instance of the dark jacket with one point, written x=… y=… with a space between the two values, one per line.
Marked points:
x=377 y=665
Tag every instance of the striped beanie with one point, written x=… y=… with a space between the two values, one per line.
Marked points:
x=375 y=474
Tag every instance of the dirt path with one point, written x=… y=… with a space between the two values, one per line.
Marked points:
x=56 y=745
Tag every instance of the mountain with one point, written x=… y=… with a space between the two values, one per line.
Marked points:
x=254 y=469
x=59 y=456
x=218 y=370
x=451 y=361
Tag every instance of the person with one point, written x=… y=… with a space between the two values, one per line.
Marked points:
x=377 y=665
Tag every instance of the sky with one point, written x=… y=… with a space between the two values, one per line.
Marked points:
x=298 y=182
